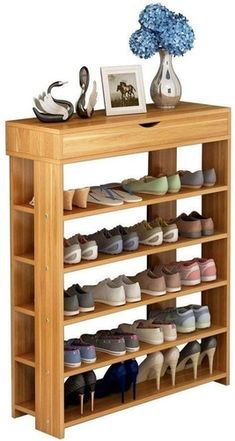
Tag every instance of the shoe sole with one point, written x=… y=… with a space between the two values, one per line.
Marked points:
x=73 y=260
x=192 y=186
x=173 y=289
x=151 y=342
x=71 y=313
x=190 y=235
x=72 y=365
x=114 y=248
x=159 y=240
x=92 y=308
x=155 y=193
x=90 y=253
x=106 y=302
x=208 y=278
x=108 y=351
x=173 y=239
x=183 y=330
x=153 y=293
x=190 y=282
x=132 y=349
x=170 y=338
x=91 y=360
x=203 y=325
x=137 y=299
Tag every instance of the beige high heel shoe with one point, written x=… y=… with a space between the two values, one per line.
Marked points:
x=190 y=352
x=80 y=197
x=151 y=368
x=171 y=357
x=208 y=348
x=68 y=199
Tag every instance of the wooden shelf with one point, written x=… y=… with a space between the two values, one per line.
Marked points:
x=143 y=250
x=27 y=309
x=28 y=359
x=102 y=310
x=145 y=348
x=145 y=392
x=25 y=208
x=93 y=209
x=26 y=407
x=27 y=258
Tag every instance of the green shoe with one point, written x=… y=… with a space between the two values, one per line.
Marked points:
x=148 y=184
x=174 y=183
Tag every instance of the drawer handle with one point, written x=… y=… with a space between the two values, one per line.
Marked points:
x=150 y=124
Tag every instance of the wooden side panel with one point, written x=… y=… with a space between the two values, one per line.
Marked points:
x=49 y=298
x=218 y=155
x=164 y=161
x=22 y=327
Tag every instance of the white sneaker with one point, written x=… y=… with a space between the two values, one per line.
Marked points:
x=146 y=331
x=107 y=292
x=132 y=289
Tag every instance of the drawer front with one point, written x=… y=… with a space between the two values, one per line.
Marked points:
x=137 y=138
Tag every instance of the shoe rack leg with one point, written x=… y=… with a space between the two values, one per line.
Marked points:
x=48 y=182
x=218 y=155
x=164 y=161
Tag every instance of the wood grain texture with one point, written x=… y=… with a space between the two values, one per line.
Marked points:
x=79 y=140
x=49 y=305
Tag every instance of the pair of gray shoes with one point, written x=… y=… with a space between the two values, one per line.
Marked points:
x=77 y=300
x=115 y=240
x=206 y=178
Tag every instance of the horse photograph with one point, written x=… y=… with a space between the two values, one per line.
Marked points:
x=123 y=90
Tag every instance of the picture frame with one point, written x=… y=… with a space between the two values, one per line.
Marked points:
x=123 y=89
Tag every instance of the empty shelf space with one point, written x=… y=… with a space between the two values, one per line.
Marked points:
x=143 y=250
x=146 y=391
x=27 y=309
x=93 y=209
x=146 y=299
x=104 y=359
x=26 y=407
x=28 y=359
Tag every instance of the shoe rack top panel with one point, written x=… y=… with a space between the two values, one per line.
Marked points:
x=101 y=136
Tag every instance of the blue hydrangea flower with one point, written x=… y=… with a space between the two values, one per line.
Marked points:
x=178 y=37
x=161 y=29
x=154 y=17
x=143 y=43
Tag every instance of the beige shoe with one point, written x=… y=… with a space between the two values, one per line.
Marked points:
x=150 y=283
x=170 y=230
x=80 y=197
x=68 y=199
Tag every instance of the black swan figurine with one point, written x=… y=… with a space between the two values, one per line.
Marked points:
x=49 y=109
x=84 y=78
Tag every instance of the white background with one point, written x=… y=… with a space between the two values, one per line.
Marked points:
x=45 y=41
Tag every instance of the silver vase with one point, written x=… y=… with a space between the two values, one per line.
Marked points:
x=166 y=88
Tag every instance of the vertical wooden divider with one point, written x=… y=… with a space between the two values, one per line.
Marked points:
x=48 y=179
x=218 y=155
x=163 y=161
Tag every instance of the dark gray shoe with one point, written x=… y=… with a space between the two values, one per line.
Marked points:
x=130 y=238
x=71 y=305
x=107 y=243
x=191 y=352
x=85 y=299
x=209 y=177
x=191 y=179
x=104 y=341
x=208 y=348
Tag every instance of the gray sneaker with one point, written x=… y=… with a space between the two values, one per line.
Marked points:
x=72 y=253
x=107 y=243
x=202 y=315
x=87 y=351
x=130 y=238
x=104 y=341
x=71 y=305
x=89 y=248
x=85 y=299
x=148 y=235
x=183 y=318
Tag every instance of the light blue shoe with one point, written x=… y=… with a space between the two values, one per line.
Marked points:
x=182 y=317
x=72 y=357
x=107 y=243
x=87 y=351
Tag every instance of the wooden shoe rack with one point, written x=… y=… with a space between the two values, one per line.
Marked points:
x=38 y=153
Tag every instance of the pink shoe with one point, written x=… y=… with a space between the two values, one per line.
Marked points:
x=207 y=269
x=189 y=272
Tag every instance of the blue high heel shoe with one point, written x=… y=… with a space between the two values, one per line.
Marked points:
x=113 y=381
x=132 y=369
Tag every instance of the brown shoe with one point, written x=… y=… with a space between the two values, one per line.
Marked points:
x=150 y=283
x=171 y=276
x=80 y=197
x=188 y=226
x=68 y=199
x=207 y=224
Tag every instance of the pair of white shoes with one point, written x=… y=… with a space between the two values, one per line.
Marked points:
x=111 y=196
x=116 y=292
x=156 y=365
